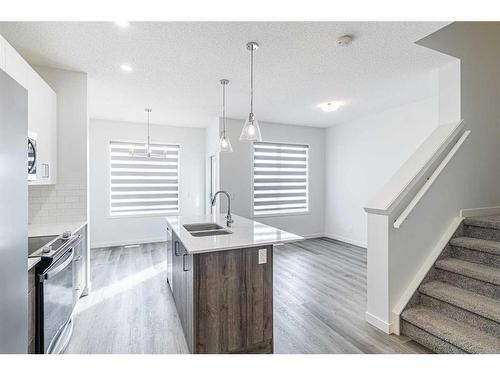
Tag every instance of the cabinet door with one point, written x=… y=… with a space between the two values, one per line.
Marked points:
x=169 y=257
x=177 y=275
x=42 y=121
x=187 y=297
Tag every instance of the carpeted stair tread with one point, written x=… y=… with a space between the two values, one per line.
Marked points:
x=458 y=334
x=491 y=222
x=473 y=270
x=487 y=246
x=470 y=301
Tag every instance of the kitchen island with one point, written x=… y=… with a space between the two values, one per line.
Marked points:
x=222 y=281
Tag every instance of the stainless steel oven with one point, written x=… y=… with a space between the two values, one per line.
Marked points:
x=55 y=294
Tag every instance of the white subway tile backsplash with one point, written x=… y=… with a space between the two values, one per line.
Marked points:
x=57 y=203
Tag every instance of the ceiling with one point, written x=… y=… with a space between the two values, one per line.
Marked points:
x=177 y=67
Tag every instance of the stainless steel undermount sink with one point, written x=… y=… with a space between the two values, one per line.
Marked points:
x=206 y=233
x=206 y=229
x=201 y=226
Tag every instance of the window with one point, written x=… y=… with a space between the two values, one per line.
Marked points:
x=280 y=181
x=140 y=185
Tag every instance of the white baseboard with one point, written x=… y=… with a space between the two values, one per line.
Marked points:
x=379 y=323
x=481 y=211
x=314 y=235
x=126 y=242
x=426 y=266
x=345 y=239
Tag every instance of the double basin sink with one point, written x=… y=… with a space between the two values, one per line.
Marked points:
x=206 y=229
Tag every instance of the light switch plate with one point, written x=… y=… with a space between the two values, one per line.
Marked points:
x=262 y=256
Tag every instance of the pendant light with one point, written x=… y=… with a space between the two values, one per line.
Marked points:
x=224 y=143
x=251 y=131
x=148 y=152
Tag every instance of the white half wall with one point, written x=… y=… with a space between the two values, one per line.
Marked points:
x=111 y=231
x=362 y=155
x=236 y=171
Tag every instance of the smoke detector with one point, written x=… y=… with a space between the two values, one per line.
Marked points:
x=344 y=40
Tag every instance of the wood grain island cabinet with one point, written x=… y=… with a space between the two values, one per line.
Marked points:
x=224 y=298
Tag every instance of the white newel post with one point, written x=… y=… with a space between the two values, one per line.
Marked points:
x=378 y=312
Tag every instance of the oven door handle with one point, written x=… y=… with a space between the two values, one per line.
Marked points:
x=57 y=268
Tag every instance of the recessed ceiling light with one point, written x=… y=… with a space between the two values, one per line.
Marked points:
x=122 y=23
x=330 y=106
x=126 y=68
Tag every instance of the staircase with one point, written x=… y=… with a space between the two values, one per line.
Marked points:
x=457 y=307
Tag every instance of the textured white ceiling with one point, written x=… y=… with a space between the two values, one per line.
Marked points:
x=178 y=65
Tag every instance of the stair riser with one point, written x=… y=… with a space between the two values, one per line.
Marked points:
x=426 y=339
x=476 y=286
x=475 y=256
x=484 y=324
x=482 y=233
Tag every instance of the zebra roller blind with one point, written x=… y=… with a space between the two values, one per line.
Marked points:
x=280 y=178
x=140 y=185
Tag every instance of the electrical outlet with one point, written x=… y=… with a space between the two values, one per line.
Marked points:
x=262 y=256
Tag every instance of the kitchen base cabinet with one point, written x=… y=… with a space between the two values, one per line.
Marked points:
x=224 y=299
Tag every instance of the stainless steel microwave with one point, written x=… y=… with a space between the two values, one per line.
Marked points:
x=32 y=156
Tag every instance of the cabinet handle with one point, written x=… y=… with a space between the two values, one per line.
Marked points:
x=184 y=263
x=46 y=171
x=176 y=248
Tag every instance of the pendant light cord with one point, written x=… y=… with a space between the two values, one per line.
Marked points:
x=251 y=80
x=148 y=127
x=224 y=109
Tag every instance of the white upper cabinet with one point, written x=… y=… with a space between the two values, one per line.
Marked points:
x=42 y=116
x=42 y=122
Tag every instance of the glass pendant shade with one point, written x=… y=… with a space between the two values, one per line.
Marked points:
x=225 y=143
x=251 y=130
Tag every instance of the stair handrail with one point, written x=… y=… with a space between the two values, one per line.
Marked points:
x=430 y=180
x=415 y=170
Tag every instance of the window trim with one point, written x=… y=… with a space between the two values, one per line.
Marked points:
x=108 y=195
x=308 y=185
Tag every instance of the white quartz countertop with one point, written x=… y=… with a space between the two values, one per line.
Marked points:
x=246 y=233
x=54 y=229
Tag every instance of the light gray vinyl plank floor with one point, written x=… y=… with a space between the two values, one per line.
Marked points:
x=319 y=303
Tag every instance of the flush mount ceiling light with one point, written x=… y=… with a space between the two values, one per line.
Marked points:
x=330 y=106
x=344 y=40
x=147 y=150
x=224 y=143
x=251 y=131
x=122 y=24
x=126 y=68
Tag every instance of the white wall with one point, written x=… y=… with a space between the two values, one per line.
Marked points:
x=211 y=149
x=449 y=92
x=362 y=155
x=107 y=231
x=236 y=171
x=67 y=200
